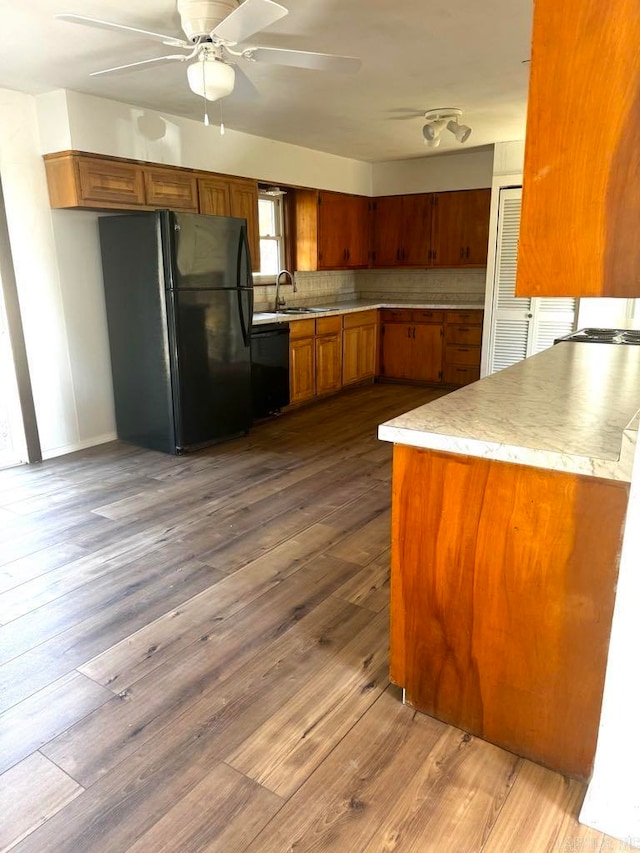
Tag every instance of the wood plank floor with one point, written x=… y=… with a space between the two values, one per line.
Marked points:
x=193 y=657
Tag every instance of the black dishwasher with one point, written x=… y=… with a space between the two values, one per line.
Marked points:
x=269 y=368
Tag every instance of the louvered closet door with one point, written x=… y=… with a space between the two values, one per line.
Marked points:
x=521 y=326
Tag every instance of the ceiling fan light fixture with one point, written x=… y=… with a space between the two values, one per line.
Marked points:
x=211 y=78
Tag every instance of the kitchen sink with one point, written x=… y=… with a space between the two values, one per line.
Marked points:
x=304 y=310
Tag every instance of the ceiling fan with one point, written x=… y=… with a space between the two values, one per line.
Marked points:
x=216 y=34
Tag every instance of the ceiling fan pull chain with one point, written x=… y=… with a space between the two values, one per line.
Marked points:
x=206 y=102
x=221 y=122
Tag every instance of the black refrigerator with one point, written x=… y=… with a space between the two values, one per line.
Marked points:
x=179 y=299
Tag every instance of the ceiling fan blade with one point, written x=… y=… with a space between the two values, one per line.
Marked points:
x=109 y=25
x=249 y=18
x=303 y=59
x=137 y=65
x=244 y=88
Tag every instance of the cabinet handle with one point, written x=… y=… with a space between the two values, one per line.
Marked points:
x=408 y=331
x=463 y=329
x=460 y=349
x=414 y=333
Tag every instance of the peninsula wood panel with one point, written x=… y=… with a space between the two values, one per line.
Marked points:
x=580 y=203
x=502 y=592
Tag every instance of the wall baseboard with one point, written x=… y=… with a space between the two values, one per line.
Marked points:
x=80 y=445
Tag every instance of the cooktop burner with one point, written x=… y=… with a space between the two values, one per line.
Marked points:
x=603 y=336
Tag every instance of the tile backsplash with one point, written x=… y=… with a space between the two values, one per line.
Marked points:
x=334 y=287
x=452 y=285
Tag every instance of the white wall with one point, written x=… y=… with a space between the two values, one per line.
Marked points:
x=50 y=341
x=464 y=170
x=122 y=130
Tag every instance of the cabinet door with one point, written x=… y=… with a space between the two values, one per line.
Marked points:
x=367 y=351
x=426 y=362
x=416 y=229
x=328 y=364
x=397 y=351
x=358 y=231
x=244 y=204
x=333 y=228
x=171 y=188
x=447 y=249
x=110 y=183
x=302 y=369
x=387 y=231
x=350 y=352
x=475 y=226
x=215 y=196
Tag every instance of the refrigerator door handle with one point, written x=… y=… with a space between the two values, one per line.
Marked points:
x=243 y=255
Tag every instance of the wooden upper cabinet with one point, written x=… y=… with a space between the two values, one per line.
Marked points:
x=460 y=228
x=580 y=204
x=215 y=196
x=243 y=196
x=83 y=181
x=174 y=189
x=402 y=230
x=343 y=230
x=331 y=230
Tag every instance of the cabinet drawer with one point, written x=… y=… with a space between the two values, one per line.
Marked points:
x=395 y=315
x=427 y=315
x=302 y=329
x=462 y=355
x=328 y=325
x=360 y=318
x=171 y=188
x=459 y=374
x=472 y=318
x=113 y=183
x=463 y=335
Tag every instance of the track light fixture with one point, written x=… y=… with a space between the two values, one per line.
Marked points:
x=437 y=120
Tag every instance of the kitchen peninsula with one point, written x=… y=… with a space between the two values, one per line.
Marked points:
x=509 y=503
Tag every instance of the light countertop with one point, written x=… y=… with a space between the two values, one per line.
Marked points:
x=574 y=407
x=361 y=305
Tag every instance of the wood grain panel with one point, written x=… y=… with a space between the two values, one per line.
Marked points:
x=503 y=581
x=544 y=805
x=28 y=725
x=222 y=813
x=387 y=231
x=416 y=225
x=580 y=203
x=30 y=793
x=214 y=196
x=174 y=189
x=302 y=370
x=116 y=183
x=359 y=318
x=328 y=363
x=243 y=195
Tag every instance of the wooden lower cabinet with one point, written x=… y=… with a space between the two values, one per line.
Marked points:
x=462 y=350
x=503 y=582
x=328 y=363
x=302 y=358
x=359 y=347
x=411 y=348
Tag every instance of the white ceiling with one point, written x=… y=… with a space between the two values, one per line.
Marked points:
x=416 y=55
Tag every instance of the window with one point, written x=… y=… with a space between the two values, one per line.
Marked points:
x=271 y=235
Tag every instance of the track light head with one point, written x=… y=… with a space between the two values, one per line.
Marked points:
x=432 y=129
x=461 y=131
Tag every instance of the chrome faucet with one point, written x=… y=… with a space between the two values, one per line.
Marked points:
x=280 y=301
